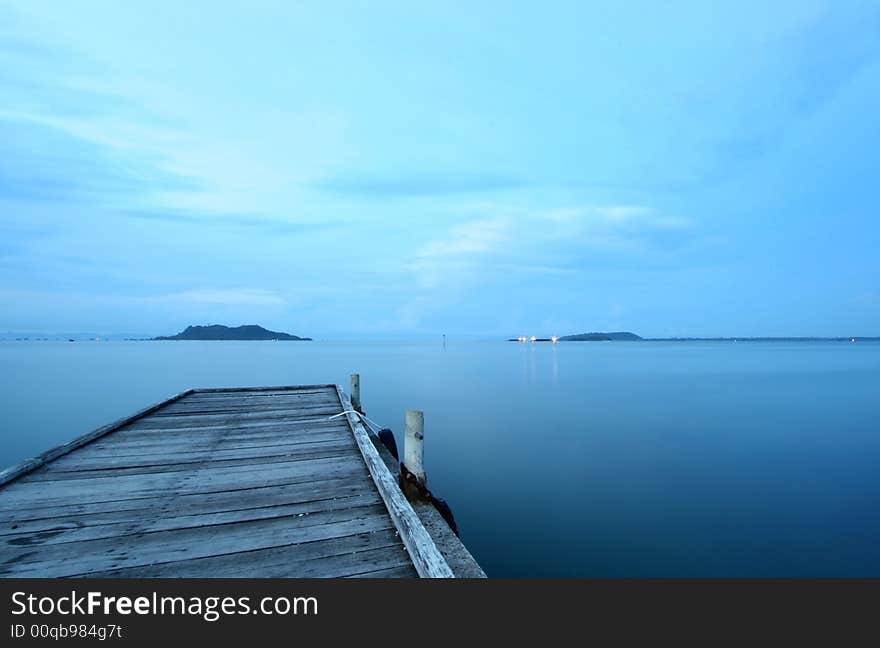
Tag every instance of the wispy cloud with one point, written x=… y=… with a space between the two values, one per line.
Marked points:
x=470 y=238
x=552 y=242
x=403 y=185
x=226 y=297
x=590 y=225
x=603 y=224
x=65 y=139
x=42 y=163
x=264 y=224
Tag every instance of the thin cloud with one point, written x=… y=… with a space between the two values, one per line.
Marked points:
x=475 y=237
x=553 y=242
x=250 y=222
x=45 y=164
x=229 y=297
x=593 y=218
x=417 y=185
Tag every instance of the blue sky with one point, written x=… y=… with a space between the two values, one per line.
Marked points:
x=491 y=168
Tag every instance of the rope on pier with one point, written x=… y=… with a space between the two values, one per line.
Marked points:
x=374 y=427
x=386 y=436
x=370 y=422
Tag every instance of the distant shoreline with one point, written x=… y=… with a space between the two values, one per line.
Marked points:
x=632 y=337
x=854 y=338
x=77 y=337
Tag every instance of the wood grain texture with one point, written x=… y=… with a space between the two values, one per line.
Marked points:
x=242 y=482
x=139 y=549
x=334 y=557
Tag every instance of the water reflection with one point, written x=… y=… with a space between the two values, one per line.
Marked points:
x=555 y=373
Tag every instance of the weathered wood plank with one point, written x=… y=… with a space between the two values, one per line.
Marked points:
x=246 y=413
x=89 y=513
x=198 y=445
x=404 y=571
x=81 y=515
x=283 y=389
x=199 y=436
x=209 y=453
x=71 y=559
x=204 y=420
x=292 y=396
x=245 y=429
x=240 y=426
x=344 y=507
x=204 y=452
x=189 y=409
x=121 y=484
x=219 y=451
x=257 y=397
x=304 y=560
x=326 y=451
x=245 y=434
x=220 y=433
x=35 y=494
x=428 y=560
x=260 y=391
x=343 y=565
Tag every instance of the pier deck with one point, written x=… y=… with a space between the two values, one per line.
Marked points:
x=240 y=482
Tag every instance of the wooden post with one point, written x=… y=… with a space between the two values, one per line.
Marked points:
x=356 y=391
x=413 y=445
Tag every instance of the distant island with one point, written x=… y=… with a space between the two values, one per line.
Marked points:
x=220 y=332
x=626 y=336
x=601 y=337
x=854 y=338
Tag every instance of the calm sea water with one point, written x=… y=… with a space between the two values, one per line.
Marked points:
x=576 y=459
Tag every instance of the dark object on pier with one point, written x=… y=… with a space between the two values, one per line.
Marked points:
x=386 y=436
x=417 y=491
x=446 y=512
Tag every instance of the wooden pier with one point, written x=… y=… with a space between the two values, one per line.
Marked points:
x=245 y=482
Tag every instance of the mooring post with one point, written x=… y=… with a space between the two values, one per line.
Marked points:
x=356 y=391
x=413 y=478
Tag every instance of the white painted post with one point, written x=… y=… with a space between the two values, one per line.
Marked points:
x=356 y=391
x=413 y=444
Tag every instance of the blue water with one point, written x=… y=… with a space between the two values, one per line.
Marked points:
x=575 y=459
